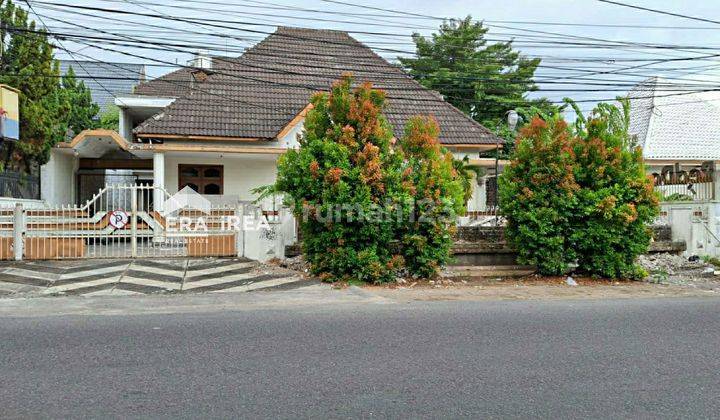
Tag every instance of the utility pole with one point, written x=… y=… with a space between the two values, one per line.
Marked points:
x=512 y=120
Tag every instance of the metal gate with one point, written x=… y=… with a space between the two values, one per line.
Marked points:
x=121 y=221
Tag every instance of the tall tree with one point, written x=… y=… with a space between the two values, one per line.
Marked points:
x=481 y=79
x=110 y=118
x=83 y=111
x=48 y=105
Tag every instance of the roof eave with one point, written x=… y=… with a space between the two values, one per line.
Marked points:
x=165 y=136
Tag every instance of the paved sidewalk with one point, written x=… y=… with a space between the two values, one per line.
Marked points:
x=142 y=276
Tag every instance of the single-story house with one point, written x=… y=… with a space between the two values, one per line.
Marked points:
x=220 y=124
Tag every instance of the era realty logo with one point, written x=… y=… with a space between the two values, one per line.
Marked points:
x=192 y=203
x=187 y=199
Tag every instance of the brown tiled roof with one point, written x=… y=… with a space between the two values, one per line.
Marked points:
x=174 y=84
x=257 y=94
x=178 y=83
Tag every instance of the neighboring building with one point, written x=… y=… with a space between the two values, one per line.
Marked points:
x=14 y=186
x=673 y=125
x=106 y=81
x=679 y=133
x=9 y=114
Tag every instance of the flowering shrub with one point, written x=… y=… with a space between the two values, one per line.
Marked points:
x=579 y=195
x=538 y=195
x=430 y=176
x=353 y=190
x=617 y=200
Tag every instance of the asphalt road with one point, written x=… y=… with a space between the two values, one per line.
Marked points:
x=552 y=359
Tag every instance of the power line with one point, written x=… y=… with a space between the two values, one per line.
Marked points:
x=394 y=74
x=384 y=10
x=602 y=25
x=427 y=16
x=613 y=45
x=659 y=61
x=192 y=87
x=235 y=13
x=662 y=12
x=441 y=101
x=272 y=69
x=217 y=23
x=616 y=71
x=398 y=74
x=194 y=22
x=607 y=72
x=609 y=88
x=80 y=65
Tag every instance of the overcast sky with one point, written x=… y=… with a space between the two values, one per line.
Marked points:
x=678 y=39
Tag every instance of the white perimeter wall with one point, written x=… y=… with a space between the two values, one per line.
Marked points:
x=7 y=202
x=696 y=223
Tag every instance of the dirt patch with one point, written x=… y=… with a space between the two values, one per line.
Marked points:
x=297 y=264
x=670 y=275
x=533 y=287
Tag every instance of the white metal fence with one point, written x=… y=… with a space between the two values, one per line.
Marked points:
x=486 y=216
x=122 y=221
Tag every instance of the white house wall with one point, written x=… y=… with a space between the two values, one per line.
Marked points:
x=479 y=196
x=135 y=109
x=289 y=140
x=241 y=173
x=57 y=178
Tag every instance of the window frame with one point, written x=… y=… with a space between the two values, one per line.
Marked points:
x=201 y=181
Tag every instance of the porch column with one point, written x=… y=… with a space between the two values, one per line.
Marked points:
x=159 y=181
x=716 y=180
x=125 y=124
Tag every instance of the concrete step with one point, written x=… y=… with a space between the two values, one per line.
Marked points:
x=469 y=271
x=672 y=247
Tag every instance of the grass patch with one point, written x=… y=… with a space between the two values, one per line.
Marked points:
x=711 y=260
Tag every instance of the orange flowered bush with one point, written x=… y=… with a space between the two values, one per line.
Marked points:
x=430 y=176
x=352 y=187
x=580 y=195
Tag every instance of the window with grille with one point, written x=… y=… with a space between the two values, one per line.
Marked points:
x=205 y=179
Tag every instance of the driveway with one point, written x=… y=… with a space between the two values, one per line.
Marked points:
x=356 y=356
x=142 y=276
